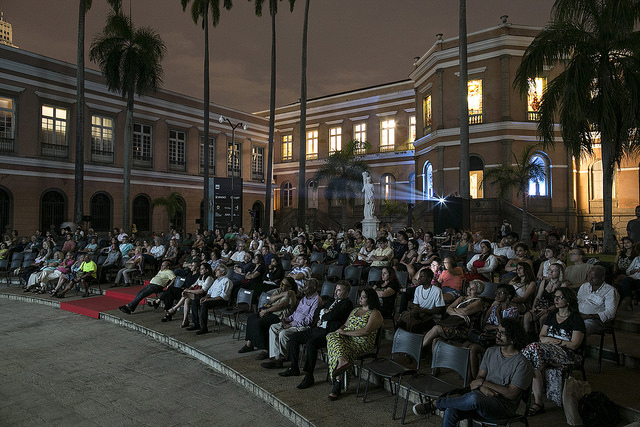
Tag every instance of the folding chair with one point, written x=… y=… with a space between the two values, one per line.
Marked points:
x=354 y=295
x=444 y=356
x=244 y=297
x=317 y=271
x=403 y=343
x=328 y=288
x=334 y=273
x=352 y=274
x=316 y=257
x=375 y=275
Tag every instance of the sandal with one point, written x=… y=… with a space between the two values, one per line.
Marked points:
x=536 y=409
x=338 y=371
x=166 y=318
x=185 y=324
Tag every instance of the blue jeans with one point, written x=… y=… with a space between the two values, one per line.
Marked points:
x=144 y=292
x=474 y=402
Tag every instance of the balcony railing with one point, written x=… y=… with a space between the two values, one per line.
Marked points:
x=257 y=176
x=177 y=165
x=475 y=119
x=102 y=156
x=55 y=150
x=7 y=145
x=142 y=160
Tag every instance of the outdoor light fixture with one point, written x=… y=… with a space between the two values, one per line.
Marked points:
x=223 y=119
x=441 y=200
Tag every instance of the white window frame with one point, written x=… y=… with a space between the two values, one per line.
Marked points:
x=335 y=139
x=257 y=162
x=312 y=144
x=53 y=131
x=387 y=135
x=177 y=147
x=7 y=124
x=142 y=144
x=212 y=154
x=287 y=148
x=102 y=138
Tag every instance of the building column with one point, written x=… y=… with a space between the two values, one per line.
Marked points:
x=440 y=151
x=571 y=217
x=507 y=151
x=505 y=84
x=440 y=99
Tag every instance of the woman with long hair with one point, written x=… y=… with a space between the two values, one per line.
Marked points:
x=387 y=289
x=200 y=287
x=560 y=340
x=482 y=265
x=525 y=285
x=543 y=303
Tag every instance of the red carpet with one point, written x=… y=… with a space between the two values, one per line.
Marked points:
x=93 y=306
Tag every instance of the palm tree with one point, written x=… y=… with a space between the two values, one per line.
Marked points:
x=463 y=104
x=273 y=11
x=598 y=91
x=172 y=204
x=343 y=172
x=302 y=185
x=130 y=60
x=518 y=175
x=200 y=10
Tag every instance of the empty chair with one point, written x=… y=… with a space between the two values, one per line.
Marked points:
x=444 y=356
x=30 y=256
x=352 y=274
x=316 y=257
x=403 y=278
x=404 y=342
x=375 y=275
x=15 y=264
x=489 y=292
x=286 y=264
x=243 y=303
x=328 y=288
x=334 y=273
x=4 y=265
x=354 y=295
x=317 y=271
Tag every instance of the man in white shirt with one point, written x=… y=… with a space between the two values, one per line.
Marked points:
x=428 y=303
x=597 y=300
x=238 y=255
x=217 y=295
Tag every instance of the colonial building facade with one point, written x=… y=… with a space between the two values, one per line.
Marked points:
x=37 y=137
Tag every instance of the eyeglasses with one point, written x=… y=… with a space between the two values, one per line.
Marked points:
x=559 y=297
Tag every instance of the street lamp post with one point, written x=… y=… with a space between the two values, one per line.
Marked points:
x=223 y=119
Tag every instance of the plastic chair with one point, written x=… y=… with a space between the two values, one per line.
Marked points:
x=328 y=288
x=30 y=256
x=403 y=278
x=403 y=343
x=4 y=265
x=316 y=257
x=608 y=328
x=375 y=275
x=489 y=291
x=354 y=295
x=352 y=274
x=15 y=263
x=286 y=264
x=245 y=297
x=334 y=273
x=444 y=356
x=317 y=271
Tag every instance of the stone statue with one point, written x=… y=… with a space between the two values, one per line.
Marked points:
x=367 y=189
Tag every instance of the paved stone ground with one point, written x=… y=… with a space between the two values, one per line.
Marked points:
x=63 y=369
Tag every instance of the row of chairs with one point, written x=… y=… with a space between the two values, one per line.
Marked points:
x=18 y=260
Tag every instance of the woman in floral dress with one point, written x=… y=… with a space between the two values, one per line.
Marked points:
x=357 y=336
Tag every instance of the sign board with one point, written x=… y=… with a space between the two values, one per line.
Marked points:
x=225 y=202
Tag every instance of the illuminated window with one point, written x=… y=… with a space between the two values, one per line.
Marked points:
x=287 y=148
x=427 y=181
x=335 y=139
x=257 y=163
x=53 y=136
x=360 y=135
x=312 y=145
x=534 y=96
x=412 y=188
x=234 y=158
x=426 y=110
x=102 y=139
x=7 y=127
x=212 y=154
x=142 y=144
x=287 y=194
x=476 y=174
x=412 y=131
x=540 y=187
x=388 y=187
x=177 y=143
x=387 y=135
x=474 y=98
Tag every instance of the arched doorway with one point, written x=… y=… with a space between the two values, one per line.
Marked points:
x=52 y=209
x=141 y=215
x=257 y=215
x=101 y=212
x=476 y=174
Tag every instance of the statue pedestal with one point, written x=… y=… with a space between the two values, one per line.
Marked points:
x=370 y=227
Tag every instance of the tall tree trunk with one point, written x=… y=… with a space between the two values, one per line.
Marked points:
x=205 y=155
x=126 y=162
x=79 y=163
x=524 y=234
x=272 y=113
x=302 y=186
x=609 y=245
x=463 y=111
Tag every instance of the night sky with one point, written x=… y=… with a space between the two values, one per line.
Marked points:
x=352 y=43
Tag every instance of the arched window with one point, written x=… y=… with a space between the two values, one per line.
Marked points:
x=287 y=194
x=312 y=194
x=387 y=187
x=101 y=212
x=258 y=215
x=427 y=181
x=412 y=188
x=6 y=205
x=541 y=187
x=179 y=220
x=476 y=173
x=141 y=216
x=52 y=209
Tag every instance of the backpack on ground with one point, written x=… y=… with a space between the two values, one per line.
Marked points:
x=597 y=410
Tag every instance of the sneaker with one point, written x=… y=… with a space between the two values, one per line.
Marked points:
x=423 y=409
x=125 y=309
